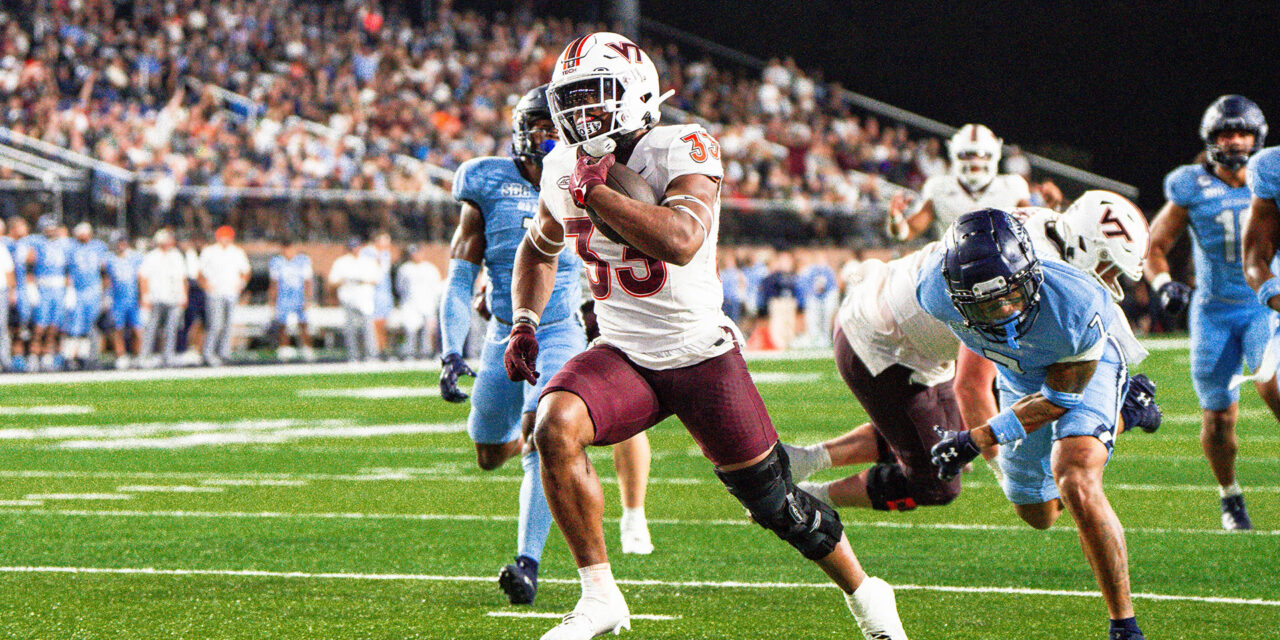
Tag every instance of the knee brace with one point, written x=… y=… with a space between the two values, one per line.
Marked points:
x=889 y=489
x=766 y=490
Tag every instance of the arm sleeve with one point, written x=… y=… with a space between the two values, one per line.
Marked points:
x=273 y=268
x=455 y=308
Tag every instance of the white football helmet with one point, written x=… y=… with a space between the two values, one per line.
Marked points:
x=1105 y=236
x=975 y=155
x=603 y=86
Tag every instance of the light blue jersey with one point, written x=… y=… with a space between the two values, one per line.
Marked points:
x=23 y=249
x=1264 y=174
x=1227 y=323
x=1074 y=323
x=88 y=259
x=508 y=202
x=291 y=277
x=53 y=260
x=122 y=270
x=1217 y=215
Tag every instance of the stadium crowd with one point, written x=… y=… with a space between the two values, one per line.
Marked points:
x=306 y=95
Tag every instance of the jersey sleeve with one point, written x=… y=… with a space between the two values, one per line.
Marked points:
x=932 y=187
x=1085 y=321
x=1018 y=188
x=466 y=186
x=553 y=189
x=1179 y=187
x=1264 y=174
x=693 y=150
x=273 y=268
x=930 y=289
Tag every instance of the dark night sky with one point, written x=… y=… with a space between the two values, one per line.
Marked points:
x=1124 y=83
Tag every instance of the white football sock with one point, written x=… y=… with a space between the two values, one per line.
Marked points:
x=1230 y=491
x=632 y=517
x=819 y=490
x=597 y=583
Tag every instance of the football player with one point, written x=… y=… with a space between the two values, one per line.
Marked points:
x=292 y=285
x=22 y=246
x=666 y=346
x=499 y=197
x=1227 y=322
x=122 y=270
x=974 y=182
x=1051 y=330
x=52 y=284
x=87 y=261
x=898 y=361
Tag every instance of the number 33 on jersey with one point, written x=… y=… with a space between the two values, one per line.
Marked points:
x=659 y=314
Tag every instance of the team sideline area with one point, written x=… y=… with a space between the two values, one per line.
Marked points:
x=347 y=505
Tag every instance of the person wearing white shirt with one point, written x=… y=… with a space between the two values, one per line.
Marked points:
x=162 y=295
x=419 y=284
x=356 y=277
x=224 y=268
x=8 y=297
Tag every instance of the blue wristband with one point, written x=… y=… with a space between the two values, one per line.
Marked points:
x=1007 y=427
x=1061 y=398
x=1269 y=290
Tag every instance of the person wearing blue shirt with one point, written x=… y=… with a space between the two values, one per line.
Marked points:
x=1062 y=377
x=499 y=197
x=292 y=281
x=1228 y=324
x=122 y=272
x=50 y=272
x=87 y=259
x=819 y=293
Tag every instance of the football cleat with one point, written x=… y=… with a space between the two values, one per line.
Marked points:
x=591 y=619
x=635 y=537
x=1235 y=517
x=519 y=580
x=1124 y=634
x=876 y=610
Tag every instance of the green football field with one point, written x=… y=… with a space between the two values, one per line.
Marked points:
x=349 y=506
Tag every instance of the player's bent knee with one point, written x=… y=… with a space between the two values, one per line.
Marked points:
x=775 y=503
x=491 y=456
x=562 y=423
x=889 y=489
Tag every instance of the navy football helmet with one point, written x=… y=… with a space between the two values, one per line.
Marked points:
x=531 y=108
x=992 y=273
x=1232 y=113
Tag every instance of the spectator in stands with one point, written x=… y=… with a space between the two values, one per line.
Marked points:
x=8 y=298
x=356 y=276
x=379 y=251
x=225 y=270
x=162 y=293
x=122 y=271
x=419 y=285
x=292 y=281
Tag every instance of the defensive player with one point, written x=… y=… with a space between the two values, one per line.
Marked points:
x=898 y=360
x=122 y=271
x=1262 y=234
x=974 y=182
x=499 y=197
x=666 y=346
x=1227 y=322
x=1050 y=330
x=292 y=284
x=87 y=260
x=50 y=270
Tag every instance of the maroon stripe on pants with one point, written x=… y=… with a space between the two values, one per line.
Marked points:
x=715 y=399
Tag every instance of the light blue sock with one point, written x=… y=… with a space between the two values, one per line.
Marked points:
x=535 y=515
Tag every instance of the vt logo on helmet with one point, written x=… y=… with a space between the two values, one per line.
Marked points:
x=603 y=87
x=1105 y=236
x=992 y=273
x=1232 y=113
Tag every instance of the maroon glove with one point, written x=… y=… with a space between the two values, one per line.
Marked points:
x=588 y=173
x=521 y=358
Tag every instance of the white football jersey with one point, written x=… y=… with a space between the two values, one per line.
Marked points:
x=883 y=321
x=951 y=199
x=661 y=315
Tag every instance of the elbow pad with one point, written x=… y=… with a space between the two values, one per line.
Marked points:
x=1061 y=398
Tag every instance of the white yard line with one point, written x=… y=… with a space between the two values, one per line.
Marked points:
x=79 y=496
x=556 y=616
x=450 y=517
x=302 y=575
x=373 y=393
x=205 y=373
x=47 y=410
x=174 y=488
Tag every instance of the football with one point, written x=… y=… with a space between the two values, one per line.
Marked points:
x=629 y=183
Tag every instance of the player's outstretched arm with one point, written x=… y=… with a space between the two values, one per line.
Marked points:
x=908 y=227
x=973 y=388
x=533 y=280
x=672 y=231
x=1168 y=225
x=1261 y=237
x=466 y=252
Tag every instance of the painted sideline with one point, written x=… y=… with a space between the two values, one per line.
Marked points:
x=151 y=571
